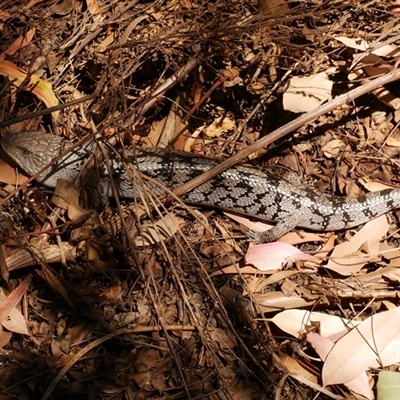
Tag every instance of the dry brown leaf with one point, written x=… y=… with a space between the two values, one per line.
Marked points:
x=257 y=226
x=52 y=60
x=333 y=148
x=21 y=42
x=63 y=7
x=346 y=259
x=260 y=226
x=374 y=186
x=32 y=3
x=276 y=277
x=223 y=338
x=294 y=366
x=307 y=93
x=273 y=8
x=143 y=380
x=8 y=304
x=235 y=269
x=161 y=230
x=156 y=129
x=220 y=126
x=113 y=293
x=5 y=337
x=361 y=44
x=173 y=124
x=301 y=237
x=393 y=275
x=164 y=131
x=276 y=301
x=393 y=141
x=13 y=299
x=66 y=197
x=4 y=15
x=78 y=333
x=10 y=176
x=391 y=254
x=374 y=343
x=15 y=322
x=93 y=7
x=193 y=142
x=296 y=322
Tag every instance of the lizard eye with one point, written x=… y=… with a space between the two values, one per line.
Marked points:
x=24 y=150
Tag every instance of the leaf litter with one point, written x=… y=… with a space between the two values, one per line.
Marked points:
x=152 y=300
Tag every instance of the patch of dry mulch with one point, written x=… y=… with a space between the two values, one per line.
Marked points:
x=110 y=319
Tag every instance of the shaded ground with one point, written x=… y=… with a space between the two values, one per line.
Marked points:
x=117 y=320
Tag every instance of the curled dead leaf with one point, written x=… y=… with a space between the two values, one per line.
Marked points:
x=42 y=89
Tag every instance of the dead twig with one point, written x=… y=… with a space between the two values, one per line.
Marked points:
x=288 y=128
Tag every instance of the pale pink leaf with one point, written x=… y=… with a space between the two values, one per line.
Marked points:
x=391 y=353
x=273 y=256
x=322 y=346
x=366 y=346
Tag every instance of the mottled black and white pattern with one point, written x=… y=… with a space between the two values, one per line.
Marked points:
x=242 y=189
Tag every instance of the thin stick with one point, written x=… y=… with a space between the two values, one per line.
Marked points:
x=288 y=128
